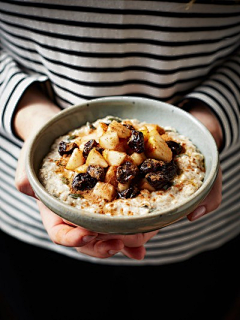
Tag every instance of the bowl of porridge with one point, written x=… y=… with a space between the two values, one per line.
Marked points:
x=122 y=165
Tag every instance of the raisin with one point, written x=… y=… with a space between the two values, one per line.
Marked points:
x=131 y=192
x=158 y=180
x=170 y=170
x=161 y=179
x=151 y=165
x=99 y=149
x=126 y=172
x=83 y=181
x=175 y=147
x=96 y=172
x=66 y=148
x=136 y=141
x=88 y=146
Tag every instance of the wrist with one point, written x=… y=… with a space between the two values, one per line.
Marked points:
x=34 y=110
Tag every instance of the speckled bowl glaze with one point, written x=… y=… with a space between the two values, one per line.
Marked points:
x=124 y=107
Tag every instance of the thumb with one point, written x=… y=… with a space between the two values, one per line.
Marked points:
x=21 y=179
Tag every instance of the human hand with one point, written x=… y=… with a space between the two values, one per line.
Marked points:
x=211 y=202
x=91 y=243
x=33 y=111
x=214 y=198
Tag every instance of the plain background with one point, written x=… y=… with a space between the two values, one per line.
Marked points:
x=39 y=284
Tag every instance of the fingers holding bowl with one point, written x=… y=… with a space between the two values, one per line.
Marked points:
x=211 y=202
x=62 y=233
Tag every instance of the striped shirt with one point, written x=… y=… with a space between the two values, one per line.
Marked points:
x=164 y=50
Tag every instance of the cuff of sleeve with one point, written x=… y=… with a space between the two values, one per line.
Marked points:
x=17 y=86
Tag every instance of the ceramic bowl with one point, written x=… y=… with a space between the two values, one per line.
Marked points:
x=148 y=110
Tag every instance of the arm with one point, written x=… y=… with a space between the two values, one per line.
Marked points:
x=34 y=110
x=204 y=114
x=14 y=81
x=220 y=95
x=216 y=103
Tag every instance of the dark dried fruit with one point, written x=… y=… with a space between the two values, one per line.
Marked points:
x=96 y=172
x=83 y=181
x=175 y=147
x=66 y=148
x=131 y=192
x=136 y=141
x=88 y=146
x=99 y=149
x=158 y=180
x=169 y=170
x=151 y=165
x=126 y=172
x=161 y=179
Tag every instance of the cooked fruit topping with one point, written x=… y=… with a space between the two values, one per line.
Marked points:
x=175 y=147
x=158 y=180
x=169 y=170
x=127 y=172
x=131 y=192
x=104 y=191
x=66 y=148
x=96 y=172
x=136 y=141
x=157 y=148
x=83 y=181
x=151 y=165
x=120 y=158
x=162 y=177
x=76 y=159
x=95 y=158
x=88 y=146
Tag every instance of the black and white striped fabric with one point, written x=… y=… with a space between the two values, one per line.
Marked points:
x=165 y=50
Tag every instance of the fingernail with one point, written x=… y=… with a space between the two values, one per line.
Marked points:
x=112 y=252
x=87 y=239
x=199 y=212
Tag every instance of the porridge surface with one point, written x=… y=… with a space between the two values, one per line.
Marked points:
x=106 y=191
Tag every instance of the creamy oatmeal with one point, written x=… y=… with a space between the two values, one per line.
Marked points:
x=122 y=167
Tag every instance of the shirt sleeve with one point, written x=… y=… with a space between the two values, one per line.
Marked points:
x=221 y=92
x=14 y=80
